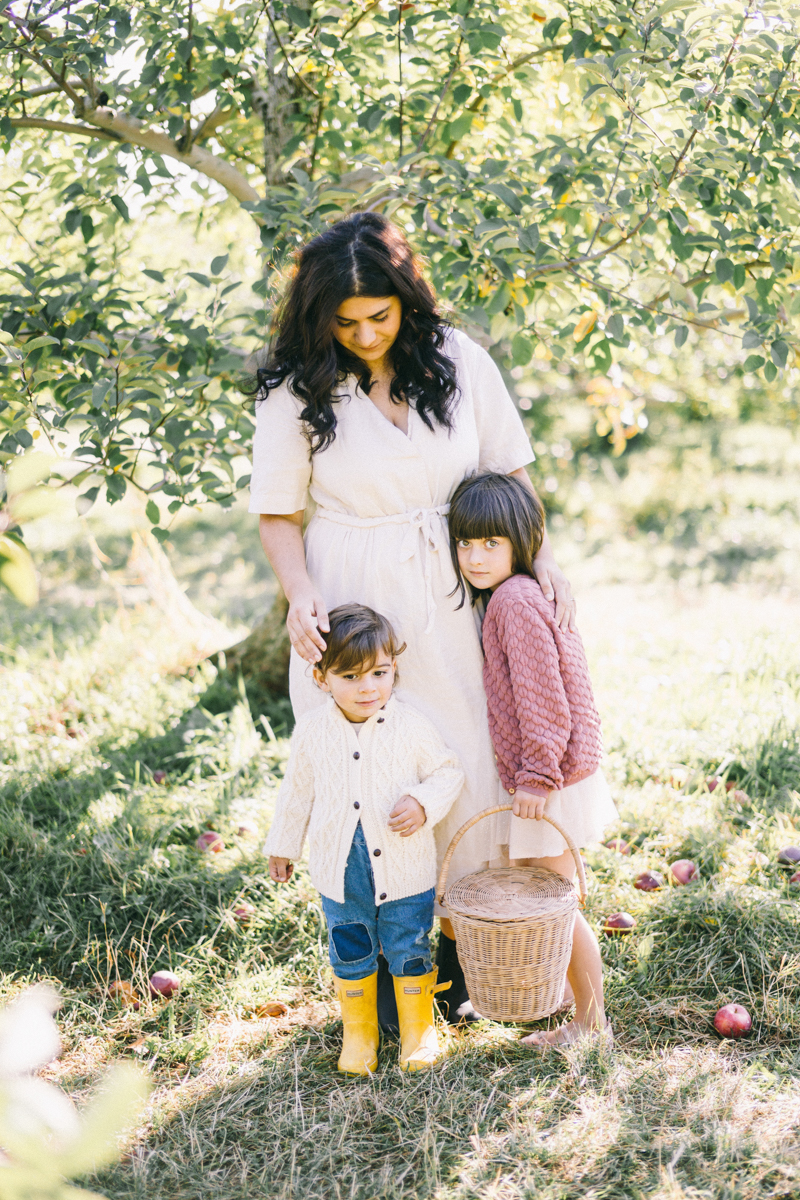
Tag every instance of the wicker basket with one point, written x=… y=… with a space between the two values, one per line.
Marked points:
x=513 y=928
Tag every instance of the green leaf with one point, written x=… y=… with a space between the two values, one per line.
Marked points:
x=615 y=326
x=44 y=340
x=219 y=264
x=460 y=127
x=770 y=372
x=152 y=512
x=298 y=16
x=751 y=339
x=121 y=207
x=724 y=269
x=203 y=280
x=681 y=334
x=505 y=194
x=753 y=362
x=521 y=350
x=529 y=238
x=551 y=28
x=739 y=276
x=72 y=220
x=157 y=275
x=17 y=572
x=779 y=352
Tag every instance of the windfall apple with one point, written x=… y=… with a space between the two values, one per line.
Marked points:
x=164 y=983
x=159 y=776
x=733 y=1021
x=244 y=912
x=211 y=841
x=247 y=828
x=648 y=881
x=789 y=856
x=683 y=871
x=618 y=844
x=619 y=922
x=124 y=993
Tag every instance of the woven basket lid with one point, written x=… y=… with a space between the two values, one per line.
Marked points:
x=511 y=894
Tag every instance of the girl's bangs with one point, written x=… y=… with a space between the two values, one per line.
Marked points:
x=479 y=513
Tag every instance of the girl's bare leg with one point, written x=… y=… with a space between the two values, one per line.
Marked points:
x=585 y=970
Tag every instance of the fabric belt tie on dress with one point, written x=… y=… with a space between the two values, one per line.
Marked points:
x=425 y=521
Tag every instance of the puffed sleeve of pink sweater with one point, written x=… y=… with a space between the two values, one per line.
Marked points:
x=541 y=718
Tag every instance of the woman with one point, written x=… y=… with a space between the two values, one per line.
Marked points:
x=375 y=409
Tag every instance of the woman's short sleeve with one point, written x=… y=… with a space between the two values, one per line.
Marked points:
x=281 y=456
x=504 y=444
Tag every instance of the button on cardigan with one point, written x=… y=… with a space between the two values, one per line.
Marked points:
x=334 y=778
x=542 y=715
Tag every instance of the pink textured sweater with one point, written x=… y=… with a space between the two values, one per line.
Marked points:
x=542 y=716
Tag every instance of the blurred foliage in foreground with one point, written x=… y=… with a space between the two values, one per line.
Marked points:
x=593 y=185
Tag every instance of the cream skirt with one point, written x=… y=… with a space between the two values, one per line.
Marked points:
x=584 y=809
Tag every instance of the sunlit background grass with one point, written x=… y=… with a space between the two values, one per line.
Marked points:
x=684 y=558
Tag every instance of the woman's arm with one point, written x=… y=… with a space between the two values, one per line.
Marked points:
x=549 y=576
x=282 y=539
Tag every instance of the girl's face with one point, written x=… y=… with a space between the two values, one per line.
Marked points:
x=485 y=562
x=361 y=692
x=368 y=326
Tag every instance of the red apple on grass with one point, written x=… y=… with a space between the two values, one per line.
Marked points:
x=164 y=983
x=648 y=881
x=683 y=871
x=244 y=912
x=618 y=844
x=211 y=841
x=247 y=828
x=619 y=922
x=159 y=776
x=795 y=879
x=733 y=1021
x=789 y=856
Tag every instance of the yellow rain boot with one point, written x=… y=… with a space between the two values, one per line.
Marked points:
x=419 y=1044
x=358 y=1000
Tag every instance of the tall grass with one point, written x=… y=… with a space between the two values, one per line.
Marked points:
x=100 y=878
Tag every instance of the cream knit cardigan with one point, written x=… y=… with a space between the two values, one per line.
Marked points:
x=335 y=778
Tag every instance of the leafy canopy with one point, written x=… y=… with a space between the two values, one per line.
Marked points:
x=581 y=177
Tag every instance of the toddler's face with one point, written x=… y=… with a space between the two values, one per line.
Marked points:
x=363 y=691
x=486 y=562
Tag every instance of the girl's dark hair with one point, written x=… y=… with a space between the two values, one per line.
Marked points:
x=484 y=506
x=358 y=635
x=364 y=255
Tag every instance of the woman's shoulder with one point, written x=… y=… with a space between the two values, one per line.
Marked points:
x=458 y=344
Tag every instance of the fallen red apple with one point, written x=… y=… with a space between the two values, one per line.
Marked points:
x=618 y=844
x=210 y=840
x=648 y=881
x=247 y=828
x=619 y=922
x=684 y=871
x=714 y=781
x=124 y=993
x=244 y=912
x=789 y=856
x=164 y=983
x=733 y=1021
x=159 y=776
x=795 y=878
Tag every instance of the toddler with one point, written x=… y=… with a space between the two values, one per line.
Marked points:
x=542 y=716
x=368 y=777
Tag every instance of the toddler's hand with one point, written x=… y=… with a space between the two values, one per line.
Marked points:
x=407 y=816
x=528 y=805
x=280 y=869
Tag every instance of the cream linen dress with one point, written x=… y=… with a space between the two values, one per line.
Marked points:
x=379 y=537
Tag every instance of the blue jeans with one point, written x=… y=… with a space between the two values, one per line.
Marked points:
x=360 y=928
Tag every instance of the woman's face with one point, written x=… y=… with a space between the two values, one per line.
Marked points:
x=367 y=326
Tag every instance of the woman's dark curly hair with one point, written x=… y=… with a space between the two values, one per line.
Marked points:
x=363 y=255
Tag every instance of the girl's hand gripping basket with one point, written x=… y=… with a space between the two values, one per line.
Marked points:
x=513 y=928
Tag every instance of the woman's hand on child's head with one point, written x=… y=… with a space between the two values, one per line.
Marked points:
x=280 y=869
x=407 y=816
x=528 y=805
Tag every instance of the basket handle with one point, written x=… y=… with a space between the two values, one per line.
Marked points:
x=488 y=812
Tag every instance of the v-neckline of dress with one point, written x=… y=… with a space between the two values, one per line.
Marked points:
x=360 y=391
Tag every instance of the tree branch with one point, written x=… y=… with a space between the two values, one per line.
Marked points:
x=285 y=54
x=442 y=94
x=63 y=127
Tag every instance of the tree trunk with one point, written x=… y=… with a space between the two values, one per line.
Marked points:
x=263 y=656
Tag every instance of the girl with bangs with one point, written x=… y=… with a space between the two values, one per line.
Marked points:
x=542 y=717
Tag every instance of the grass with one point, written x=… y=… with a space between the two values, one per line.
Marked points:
x=100 y=877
